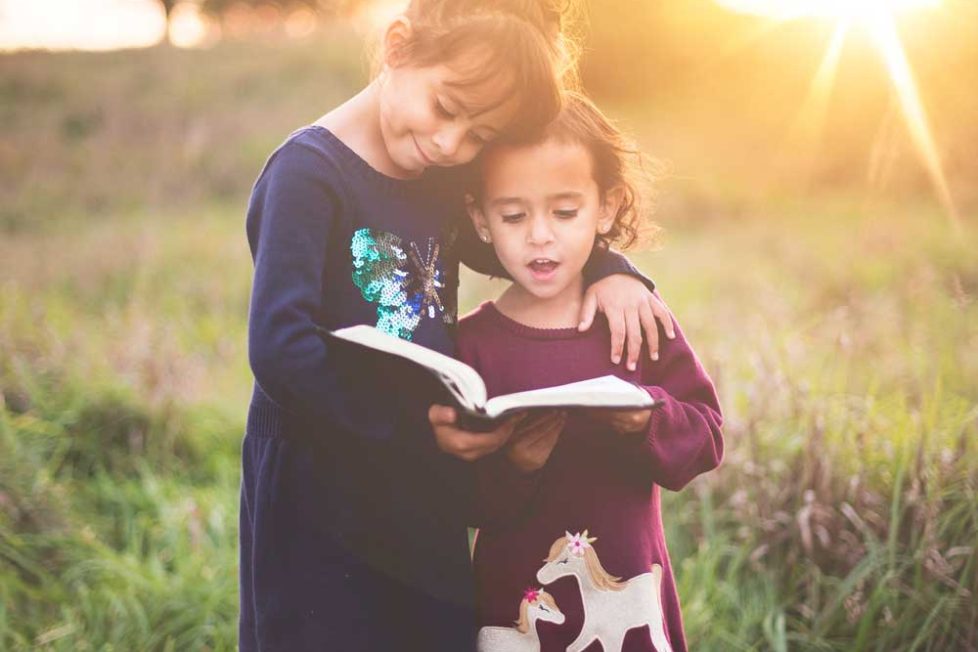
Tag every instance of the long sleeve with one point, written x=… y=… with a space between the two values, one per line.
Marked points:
x=481 y=258
x=684 y=437
x=292 y=212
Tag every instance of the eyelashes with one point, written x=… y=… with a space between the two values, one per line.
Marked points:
x=564 y=214
x=448 y=115
x=442 y=111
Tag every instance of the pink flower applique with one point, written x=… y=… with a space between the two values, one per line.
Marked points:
x=579 y=543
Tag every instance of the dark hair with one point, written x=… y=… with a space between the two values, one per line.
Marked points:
x=616 y=162
x=522 y=39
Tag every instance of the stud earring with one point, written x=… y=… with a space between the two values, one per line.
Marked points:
x=486 y=238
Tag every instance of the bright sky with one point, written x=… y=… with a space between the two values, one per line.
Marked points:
x=80 y=24
x=111 y=24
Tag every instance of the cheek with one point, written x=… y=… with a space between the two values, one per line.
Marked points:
x=408 y=111
x=580 y=234
x=507 y=241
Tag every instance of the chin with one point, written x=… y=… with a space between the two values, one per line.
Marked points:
x=544 y=292
x=411 y=168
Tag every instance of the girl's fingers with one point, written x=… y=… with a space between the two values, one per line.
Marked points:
x=664 y=315
x=588 y=309
x=616 y=323
x=634 y=336
x=441 y=415
x=476 y=445
x=553 y=430
x=647 y=318
x=490 y=442
x=463 y=444
x=631 y=421
x=536 y=426
x=545 y=437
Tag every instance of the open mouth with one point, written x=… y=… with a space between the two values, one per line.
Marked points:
x=543 y=268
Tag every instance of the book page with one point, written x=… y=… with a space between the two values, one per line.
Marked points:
x=606 y=391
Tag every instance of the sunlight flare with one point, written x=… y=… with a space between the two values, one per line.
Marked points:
x=887 y=39
x=807 y=128
x=845 y=10
x=878 y=17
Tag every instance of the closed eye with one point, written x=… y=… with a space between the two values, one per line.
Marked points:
x=566 y=213
x=513 y=217
x=442 y=111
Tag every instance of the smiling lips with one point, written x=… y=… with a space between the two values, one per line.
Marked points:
x=424 y=157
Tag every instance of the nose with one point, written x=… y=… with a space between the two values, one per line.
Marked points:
x=448 y=140
x=540 y=232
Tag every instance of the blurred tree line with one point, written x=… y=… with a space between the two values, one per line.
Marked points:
x=218 y=9
x=324 y=7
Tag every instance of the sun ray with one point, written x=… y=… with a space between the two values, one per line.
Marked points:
x=806 y=130
x=878 y=17
x=884 y=32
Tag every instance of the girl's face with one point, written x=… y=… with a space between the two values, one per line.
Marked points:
x=425 y=121
x=542 y=210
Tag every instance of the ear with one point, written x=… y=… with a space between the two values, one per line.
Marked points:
x=478 y=218
x=398 y=34
x=610 y=204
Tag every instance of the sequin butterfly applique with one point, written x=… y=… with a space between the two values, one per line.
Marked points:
x=404 y=281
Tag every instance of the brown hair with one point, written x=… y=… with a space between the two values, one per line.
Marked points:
x=484 y=39
x=522 y=624
x=616 y=162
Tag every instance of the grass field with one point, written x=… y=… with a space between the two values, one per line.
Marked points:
x=842 y=333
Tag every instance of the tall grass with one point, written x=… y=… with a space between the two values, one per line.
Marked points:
x=122 y=381
x=846 y=351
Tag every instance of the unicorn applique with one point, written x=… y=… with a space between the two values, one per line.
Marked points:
x=537 y=605
x=611 y=607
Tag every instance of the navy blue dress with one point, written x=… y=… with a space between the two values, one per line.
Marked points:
x=353 y=523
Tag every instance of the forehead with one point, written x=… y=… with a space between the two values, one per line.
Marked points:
x=530 y=170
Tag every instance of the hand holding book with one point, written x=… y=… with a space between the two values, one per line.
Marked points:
x=467 y=444
x=624 y=422
x=534 y=440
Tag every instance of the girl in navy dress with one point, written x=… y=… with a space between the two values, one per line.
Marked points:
x=354 y=489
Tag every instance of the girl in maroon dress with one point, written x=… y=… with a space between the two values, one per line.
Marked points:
x=571 y=530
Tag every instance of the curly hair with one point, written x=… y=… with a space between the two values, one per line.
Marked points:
x=616 y=163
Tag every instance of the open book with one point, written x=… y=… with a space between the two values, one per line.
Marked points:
x=466 y=387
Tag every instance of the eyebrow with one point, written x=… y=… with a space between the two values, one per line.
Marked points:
x=570 y=194
x=499 y=201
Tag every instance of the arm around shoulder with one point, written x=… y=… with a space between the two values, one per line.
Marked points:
x=605 y=262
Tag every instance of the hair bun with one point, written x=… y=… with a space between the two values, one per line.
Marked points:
x=546 y=15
